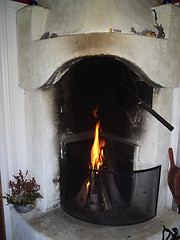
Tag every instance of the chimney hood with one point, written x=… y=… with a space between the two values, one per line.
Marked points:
x=82 y=29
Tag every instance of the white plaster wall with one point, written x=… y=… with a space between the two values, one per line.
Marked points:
x=43 y=144
x=164 y=108
x=12 y=124
x=155 y=141
x=85 y=16
x=16 y=95
x=153 y=130
x=175 y=119
x=175 y=136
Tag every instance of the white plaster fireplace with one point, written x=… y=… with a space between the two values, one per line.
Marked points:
x=82 y=31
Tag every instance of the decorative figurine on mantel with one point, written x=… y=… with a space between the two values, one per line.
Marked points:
x=23 y=193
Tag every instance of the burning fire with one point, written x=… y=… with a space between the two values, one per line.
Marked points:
x=97 y=153
x=93 y=193
x=87 y=187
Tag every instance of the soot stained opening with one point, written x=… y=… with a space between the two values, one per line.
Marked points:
x=107 y=83
x=111 y=194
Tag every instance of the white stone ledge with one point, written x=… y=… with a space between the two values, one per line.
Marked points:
x=57 y=225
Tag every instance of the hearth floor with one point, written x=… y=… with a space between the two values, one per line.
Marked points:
x=57 y=225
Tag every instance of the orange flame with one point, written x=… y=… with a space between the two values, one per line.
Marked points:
x=95 y=111
x=87 y=187
x=97 y=153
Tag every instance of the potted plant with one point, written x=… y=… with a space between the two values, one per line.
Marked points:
x=23 y=192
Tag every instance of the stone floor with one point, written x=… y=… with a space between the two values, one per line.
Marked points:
x=57 y=225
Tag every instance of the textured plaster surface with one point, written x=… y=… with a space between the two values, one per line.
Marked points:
x=57 y=225
x=157 y=59
x=42 y=144
x=155 y=141
x=97 y=16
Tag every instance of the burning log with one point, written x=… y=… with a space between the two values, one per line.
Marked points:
x=100 y=187
x=94 y=193
x=99 y=192
x=82 y=197
x=105 y=193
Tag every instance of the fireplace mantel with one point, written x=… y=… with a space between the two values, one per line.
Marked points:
x=45 y=61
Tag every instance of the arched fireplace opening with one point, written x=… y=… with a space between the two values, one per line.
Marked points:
x=116 y=193
x=109 y=84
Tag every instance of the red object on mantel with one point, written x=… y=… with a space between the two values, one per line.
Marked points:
x=174 y=178
x=23 y=1
x=175 y=1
